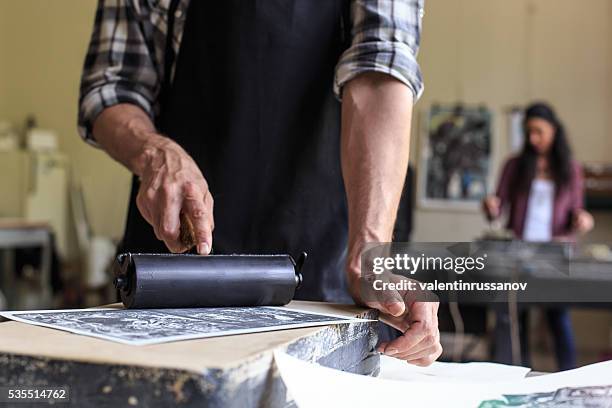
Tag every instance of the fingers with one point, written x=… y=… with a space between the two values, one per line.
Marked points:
x=160 y=208
x=398 y=322
x=427 y=353
x=396 y=302
x=198 y=206
x=173 y=186
x=142 y=202
x=168 y=227
x=392 y=308
x=392 y=305
x=408 y=342
x=413 y=345
x=388 y=302
x=427 y=357
x=428 y=345
x=420 y=343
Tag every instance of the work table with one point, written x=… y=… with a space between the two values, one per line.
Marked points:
x=222 y=371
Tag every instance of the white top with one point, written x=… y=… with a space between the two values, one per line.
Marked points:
x=539 y=217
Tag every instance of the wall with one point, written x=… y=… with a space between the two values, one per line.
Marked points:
x=42 y=46
x=609 y=136
x=474 y=51
x=503 y=53
x=3 y=63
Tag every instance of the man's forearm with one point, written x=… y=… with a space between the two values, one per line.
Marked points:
x=125 y=132
x=171 y=183
x=376 y=121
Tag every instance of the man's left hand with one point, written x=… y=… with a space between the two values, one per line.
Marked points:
x=410 y=312
x=420 y=343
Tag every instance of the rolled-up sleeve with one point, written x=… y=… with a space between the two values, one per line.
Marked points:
x=119 y=67
x=385 y=38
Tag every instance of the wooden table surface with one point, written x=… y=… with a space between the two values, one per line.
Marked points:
x=222 y=371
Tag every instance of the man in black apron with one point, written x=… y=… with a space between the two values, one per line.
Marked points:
x=249 y=118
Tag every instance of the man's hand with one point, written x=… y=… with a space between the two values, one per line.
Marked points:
x=420 y=343
x=170 y=181
x=414 y=313
x=171 y=184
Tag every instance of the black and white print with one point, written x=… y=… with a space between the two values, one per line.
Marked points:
x=152 y=326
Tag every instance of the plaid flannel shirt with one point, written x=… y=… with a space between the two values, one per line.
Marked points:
x=125 y=60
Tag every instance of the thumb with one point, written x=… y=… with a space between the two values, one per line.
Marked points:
x=389 y=306
x=392 y=303
x=394 y=308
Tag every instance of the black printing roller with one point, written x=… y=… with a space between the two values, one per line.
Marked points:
x=160 y=281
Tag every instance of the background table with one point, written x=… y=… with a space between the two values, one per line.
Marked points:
x=25 y=234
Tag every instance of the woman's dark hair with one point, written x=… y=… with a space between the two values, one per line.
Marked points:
x=560 y=155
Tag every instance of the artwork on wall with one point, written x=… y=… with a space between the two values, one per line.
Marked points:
x=455 y=157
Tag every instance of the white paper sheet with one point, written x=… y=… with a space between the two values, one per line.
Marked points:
x=311 y=385
x=395 y=369
x=314 y=386
x=153 y=326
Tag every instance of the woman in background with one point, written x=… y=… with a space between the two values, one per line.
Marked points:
x=543 y=190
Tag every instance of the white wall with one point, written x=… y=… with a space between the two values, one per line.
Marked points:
x=3 y=64
x=42 y=47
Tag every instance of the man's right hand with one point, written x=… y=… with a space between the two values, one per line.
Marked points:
x=171 y=183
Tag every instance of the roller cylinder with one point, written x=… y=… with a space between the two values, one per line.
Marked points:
x=178 y=281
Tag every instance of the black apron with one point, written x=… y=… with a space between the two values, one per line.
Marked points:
x=252 y=102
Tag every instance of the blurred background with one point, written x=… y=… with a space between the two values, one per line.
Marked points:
x=63 y=203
